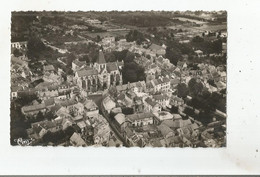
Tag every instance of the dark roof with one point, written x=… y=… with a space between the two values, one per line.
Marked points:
x=150 y=102
x=112 y=66
x=85 y=72
x=101 y=58
x=68 y=103
x=133 y=117
x=160 y=97
x=49 y=102
x=164 y=129
x=33 y=107
x=55 y=108
x=129 y=132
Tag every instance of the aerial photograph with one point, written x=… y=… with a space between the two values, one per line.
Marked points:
x=118 y=78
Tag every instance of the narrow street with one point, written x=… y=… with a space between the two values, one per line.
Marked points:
x=98 y=100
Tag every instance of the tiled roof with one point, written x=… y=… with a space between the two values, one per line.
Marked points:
x=85 y=72
x=164 y=129
x=68 y=103
x=89 y=104
x=112 y=66
x=160 y=97
x=150 y=102
x=49 y=102
x=133 y=117
x=76 y=138
x=33 y=107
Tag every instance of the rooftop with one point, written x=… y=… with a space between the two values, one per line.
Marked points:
x=139 y=116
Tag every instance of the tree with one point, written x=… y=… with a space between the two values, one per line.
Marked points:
x=132 y=72
x=195 y=87
x=182 y=90
x=129 y=57
x=26 y=98
x=120 y=55
x=110 y=57
x=34 y=47
x=98 y=38
x=40 y=116
x=135 y=35
x=173 y=54
x=17 y=53
x=197 y=39
x=70 y=59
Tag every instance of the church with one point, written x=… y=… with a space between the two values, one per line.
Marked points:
x=100 y=76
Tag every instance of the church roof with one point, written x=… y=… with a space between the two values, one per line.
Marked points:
x=111 y=66
x=85 y=72
x=101 y=58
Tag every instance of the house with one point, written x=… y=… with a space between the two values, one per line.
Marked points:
x=139 y=86
x=161 y=85
x=15 y=90
x=166 y=131
x=108 y=40
x=76 y=140
x=162 y=99
x=199 y=53
x=184 y=41
x=19 y=45
x=151 y=106
x=68 y=103
x=124 y=100
x=140 y=119
x=159 y=50
x=176 y=101
x=76 y=64
x=33 y=110
x=120 y=121
x=48 y=69
x=91 y=108
x=49 y=103
x=102 y=132
x=108 y=104
x=39 y=129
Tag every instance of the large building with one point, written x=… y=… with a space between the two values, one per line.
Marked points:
x=101 y=76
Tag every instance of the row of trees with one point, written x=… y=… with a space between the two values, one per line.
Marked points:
x=135 y=35
x=207 y=46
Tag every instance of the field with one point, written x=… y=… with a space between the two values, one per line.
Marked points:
x=190 y=20
x=212 y=27
x=105 y=34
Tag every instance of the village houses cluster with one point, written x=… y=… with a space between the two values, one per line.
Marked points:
x=130 y=114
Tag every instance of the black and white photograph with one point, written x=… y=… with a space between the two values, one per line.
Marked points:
x=137 y=87
x=118 y=78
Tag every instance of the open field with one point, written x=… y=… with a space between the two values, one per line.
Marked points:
x=105 y=34
x=190 y=20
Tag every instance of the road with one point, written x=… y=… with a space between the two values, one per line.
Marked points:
x=98 y=100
